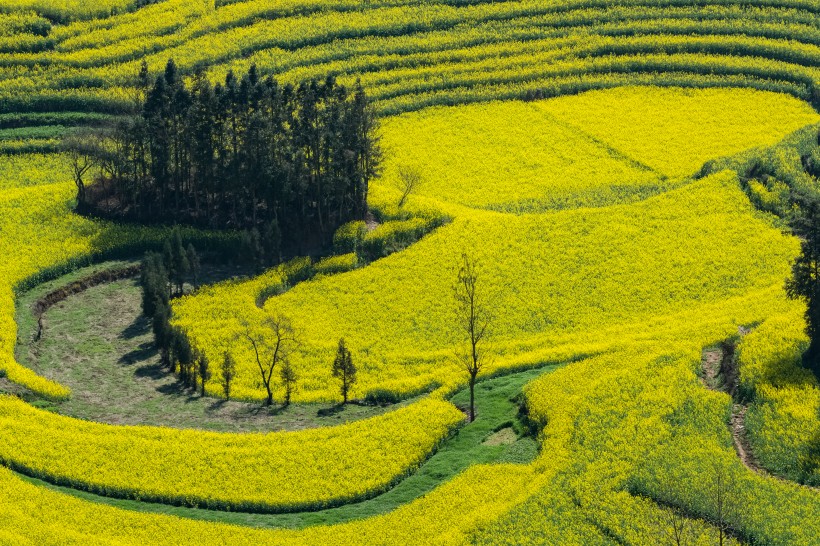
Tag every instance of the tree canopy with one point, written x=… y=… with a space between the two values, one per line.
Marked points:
x=249 y=153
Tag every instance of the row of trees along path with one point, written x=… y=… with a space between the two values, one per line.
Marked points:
x=163 y=276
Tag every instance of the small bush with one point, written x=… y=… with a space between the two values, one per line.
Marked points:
x=380 y=397
x=337 y=264
x=396 y=235
x=302 y=270
x=348 y=238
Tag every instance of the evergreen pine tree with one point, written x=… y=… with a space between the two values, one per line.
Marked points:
x=154 y=281
x=243 y=155
x=805 y=281
x=194 y=264
x=183 y=355
x=289 y=378
x=272 y=243
x=178 y=265
x=228 y=369
x=344 y=369
x=163 y=335
x=204 y=371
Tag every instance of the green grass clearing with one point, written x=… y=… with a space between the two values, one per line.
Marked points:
x=98 y=344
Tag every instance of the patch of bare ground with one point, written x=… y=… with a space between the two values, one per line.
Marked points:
x=721 y=373
x=505 y=436
x=742 y=446
x=710 y=363
x=370 y=221
x=7 y=387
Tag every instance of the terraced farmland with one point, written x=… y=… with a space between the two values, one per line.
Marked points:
x=619 y=170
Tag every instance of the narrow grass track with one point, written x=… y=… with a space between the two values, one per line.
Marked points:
x=497 y=403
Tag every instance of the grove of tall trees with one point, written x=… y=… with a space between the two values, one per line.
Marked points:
x=249 y=153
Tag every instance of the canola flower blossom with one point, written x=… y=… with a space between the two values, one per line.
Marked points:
x=617 y=259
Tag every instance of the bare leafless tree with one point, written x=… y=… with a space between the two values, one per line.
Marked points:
x=673 y=527
x=409 y=181
x=678 y=526
x=80 y=149
x=473 y=316
x=272 y=344
x=722 y=498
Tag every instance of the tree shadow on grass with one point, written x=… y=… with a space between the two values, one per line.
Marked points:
x=154 y=371
x=179 y=389
x=246 y=409
x=145 y=351
x=331 y=411
x=139 y=327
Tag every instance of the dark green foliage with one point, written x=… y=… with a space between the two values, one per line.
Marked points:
x=160 y=273
x=251 y=251
x=289 y=378
x=177 y=261
x=378 y=397
x=204 y=371
x=344 y=369
x=162 y=331
x=272 y=242
x=228 y=368
x=805 y=281
x=154 y=280
x=293 y=163
x=194 y=265
x=184 y=358
x=809 y=462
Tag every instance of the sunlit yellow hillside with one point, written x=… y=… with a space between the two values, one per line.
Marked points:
x=238 y=240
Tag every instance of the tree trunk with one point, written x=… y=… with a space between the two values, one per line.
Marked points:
x=344 y=388
x=472 y=398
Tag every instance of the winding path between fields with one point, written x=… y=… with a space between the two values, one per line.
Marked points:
x=491 y=438
x=721 y=378
x=497 y=435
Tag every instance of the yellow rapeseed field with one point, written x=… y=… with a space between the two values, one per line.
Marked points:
x=597 y=238
x=552 y=285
